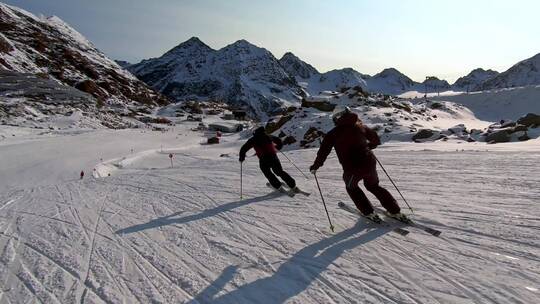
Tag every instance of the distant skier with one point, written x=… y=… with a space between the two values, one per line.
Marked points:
x=266 y=147
x=82 y=174
x=353 y=142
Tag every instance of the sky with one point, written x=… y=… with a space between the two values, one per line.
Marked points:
x=420 y=38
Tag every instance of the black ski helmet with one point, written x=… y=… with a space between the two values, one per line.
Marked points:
x=339 y=111
x=259 y=131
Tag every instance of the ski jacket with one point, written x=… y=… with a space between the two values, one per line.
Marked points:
x=353 y=143
x=263 y=144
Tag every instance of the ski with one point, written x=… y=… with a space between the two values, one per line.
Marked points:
x=354 y=211
x=412 y=223
x=290 y=193
x=300 y=191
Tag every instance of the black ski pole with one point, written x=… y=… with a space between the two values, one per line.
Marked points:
x=395 y=186
x=324 y=204
x=241 y=166
x=294 y=164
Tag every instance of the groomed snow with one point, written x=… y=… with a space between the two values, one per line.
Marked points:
x=150 y=233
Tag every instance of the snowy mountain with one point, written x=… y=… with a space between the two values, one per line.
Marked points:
x=390 y=81
x=296 y=67
x=434 y=84
x=526 y=72
x=51 y=48
x=123 y=63
x=241 y=74
x=474 y=79
x=335 y=80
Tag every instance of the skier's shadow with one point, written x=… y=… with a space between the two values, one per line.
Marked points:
x=172 y=219
x=294 y=275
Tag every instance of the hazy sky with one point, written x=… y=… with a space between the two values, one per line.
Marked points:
x=418 y=37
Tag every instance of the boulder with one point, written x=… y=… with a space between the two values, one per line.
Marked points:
x=311 y=135
x=458 y=129
x=530 y=120
x=423 y=134
x=213 y=140
x=323 y=106
x=289 y=140
x=500 y=136
x=524 y=137
x=520 y=128
x=273 y=126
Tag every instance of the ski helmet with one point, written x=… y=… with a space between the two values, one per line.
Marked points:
x=339 y=111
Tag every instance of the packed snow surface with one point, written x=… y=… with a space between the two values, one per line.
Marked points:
x=152 y=233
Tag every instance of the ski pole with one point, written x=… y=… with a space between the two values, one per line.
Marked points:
x=324 y=204
x=294 y=164
x=241 y=166
x=395 y=186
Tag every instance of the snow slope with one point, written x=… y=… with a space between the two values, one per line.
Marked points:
x=151 y=233
x=499 y=104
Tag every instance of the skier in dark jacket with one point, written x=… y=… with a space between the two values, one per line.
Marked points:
x=266 y=147
x=353 y=142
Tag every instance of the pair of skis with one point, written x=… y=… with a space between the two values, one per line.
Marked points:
x=397 y=230
x=289 y=192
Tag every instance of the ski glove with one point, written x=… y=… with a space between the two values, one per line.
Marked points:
x=242 y=158
x=372 y=146
x=313 y=169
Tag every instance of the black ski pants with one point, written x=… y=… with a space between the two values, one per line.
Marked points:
x=271 y=166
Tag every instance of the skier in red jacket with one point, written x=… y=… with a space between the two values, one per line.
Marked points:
x=353 y=142
x=266 y=147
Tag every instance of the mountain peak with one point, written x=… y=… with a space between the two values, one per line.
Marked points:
x=295 y=66
x=392 y=72
x=193 y=42
x=289 y=55
x=192 y=45
x=242 y=43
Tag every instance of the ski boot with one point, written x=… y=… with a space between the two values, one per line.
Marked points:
x=374 y=217
x=400 y=217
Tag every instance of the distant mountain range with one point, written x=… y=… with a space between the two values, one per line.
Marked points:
x=241 y=74
x=246 y=75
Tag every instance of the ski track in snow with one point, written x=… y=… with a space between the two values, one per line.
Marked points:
x=151 y=233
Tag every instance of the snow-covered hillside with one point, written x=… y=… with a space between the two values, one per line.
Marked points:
x=499 y=104
x=524 y=73
x=50 y=48
x=473 y=80
x=28 y=100
x=155 y=234
x=397 y=119
x=241 y=74
x=390 y=81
